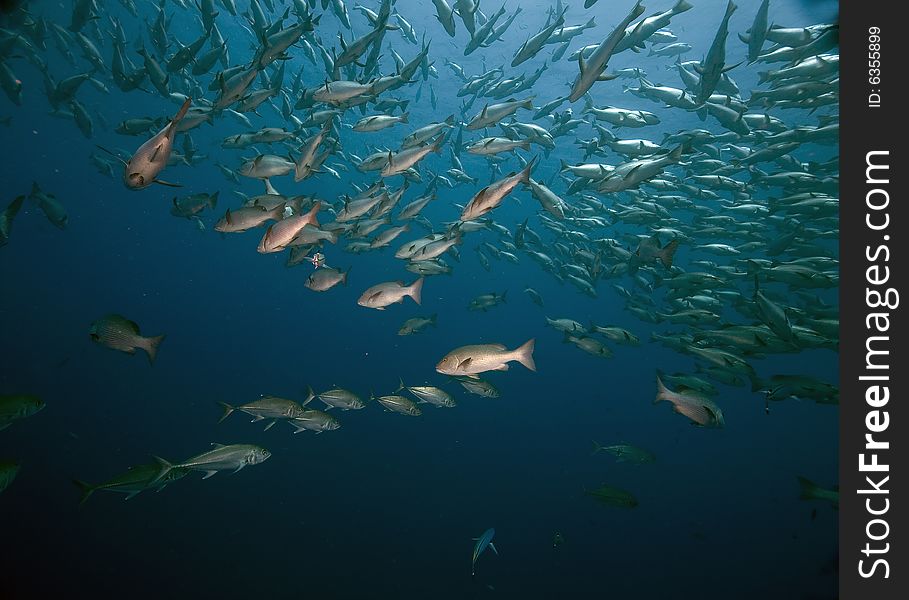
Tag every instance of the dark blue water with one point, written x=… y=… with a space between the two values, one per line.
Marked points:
x=386 y=506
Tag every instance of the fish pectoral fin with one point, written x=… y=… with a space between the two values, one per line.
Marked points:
x=209 y=474
x=493 y=547
x=155 y=153
x=464 y=363
x=167 y=183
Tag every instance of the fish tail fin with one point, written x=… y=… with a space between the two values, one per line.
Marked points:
x=151 y=347
x=164 y=468
x=227 y=410
x=310 y=395
x=213 y=200
x=596 y=447
x=401 y=385
x=681 y=6
x=525 y=173
x=808 y=490
x=179 y=117
x=524 y=354
x=85 y=489
x=763 y=76
x=346 y=273
x=314 y=212
x=662 y=390
x=668 y=252
x=404 y=117
x=416 y=290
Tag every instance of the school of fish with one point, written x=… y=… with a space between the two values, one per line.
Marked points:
x=756 y=224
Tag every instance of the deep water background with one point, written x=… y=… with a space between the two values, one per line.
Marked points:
x=386 y=506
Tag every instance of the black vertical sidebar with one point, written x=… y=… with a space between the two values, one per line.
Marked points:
x=874 y=437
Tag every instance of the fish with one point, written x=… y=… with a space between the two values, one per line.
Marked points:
x=119 y=333
x=482 y=542
x=417 y=325
x=266 y=407
x=470 y=361
x=315 y=420
x=248 y=217
x=594 y=68
x=190 y=206
x=429 y=394
x=492 y=195
x=336 y=398
x=484 y=302
x=393 y=292
x=478 y=387
x=626 y=453
x=281 y=233
x=6 y=218
x=135 y=480
x=608 y=495
x=14 y=407
x=50 y=206
x=697 y=407
x=220 y=458
x=146 y=163
x=808 y=490
x=398 y=404
x=325 y=278
x=8 y=472
x=492 y=114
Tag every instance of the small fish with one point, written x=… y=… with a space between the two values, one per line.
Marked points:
x=811 y=491
x=119 y=333
x=18 y=406
x=613 y=496
x=482 y=543
x=6 y=218
x=478 y=387
x=336 y=398
x=134 y=480
x=626 y=453
x=325 y=278
x=416 y=325
x=429 y=394
x=399 y=404
x=8 y=472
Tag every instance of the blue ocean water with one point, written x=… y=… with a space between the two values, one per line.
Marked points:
x=386 y=506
